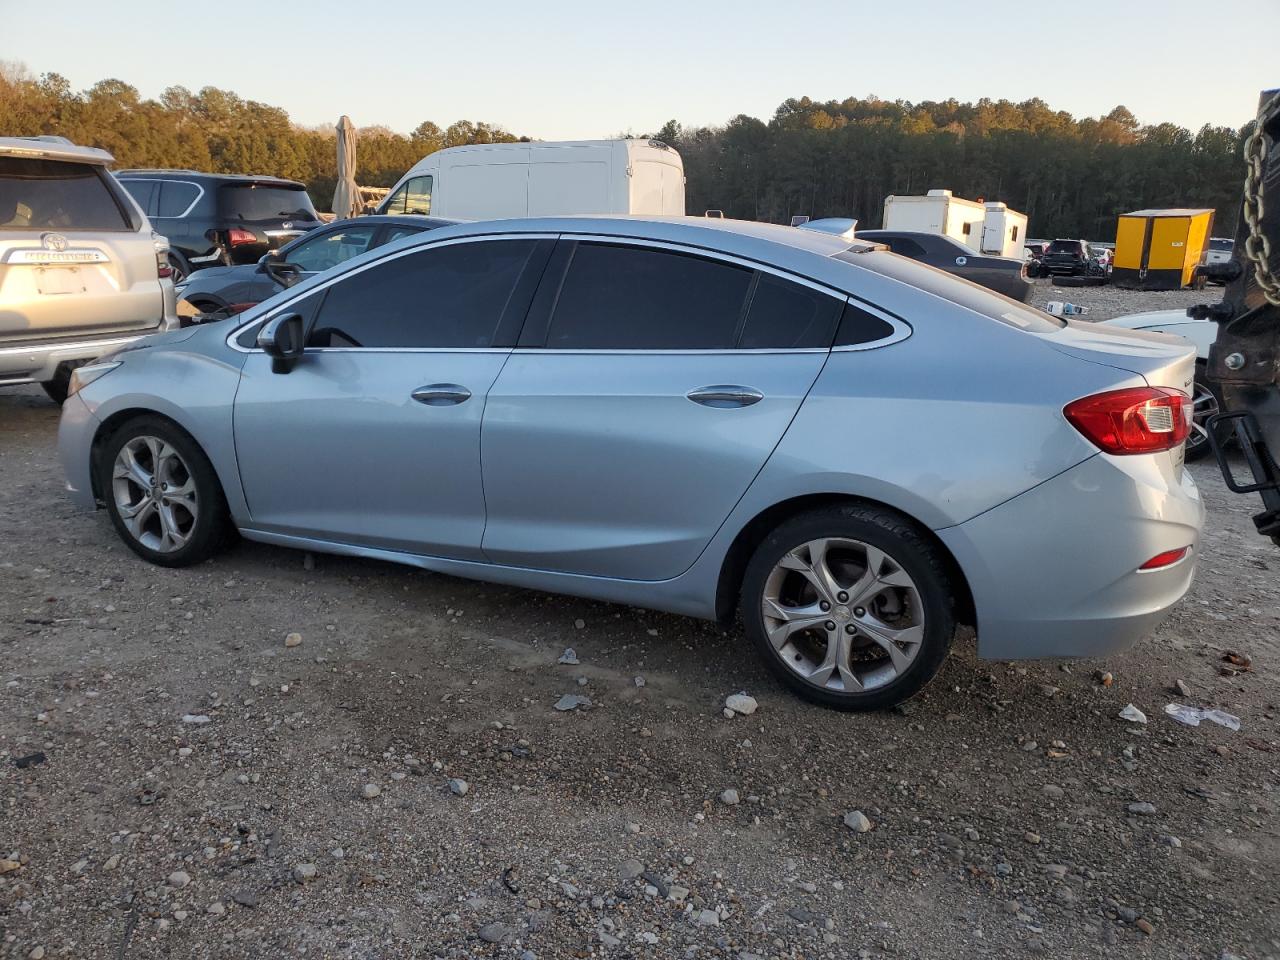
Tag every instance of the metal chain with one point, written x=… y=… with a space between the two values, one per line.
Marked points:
x=1256 y=246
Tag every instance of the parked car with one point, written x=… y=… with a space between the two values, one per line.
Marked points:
x=220 y=219
x=228 y=290
x=1035 y=249
x=1005 y=275
x=1206 y=400
x=852 y=450
x=486 y=181
x=1215 y=265
x=1071 y=258
x=81 y=270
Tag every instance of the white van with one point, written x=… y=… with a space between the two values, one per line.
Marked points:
x=492 y=181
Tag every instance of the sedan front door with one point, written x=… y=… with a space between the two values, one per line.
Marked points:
x=373 y=438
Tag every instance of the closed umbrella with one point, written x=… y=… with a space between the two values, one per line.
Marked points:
x=346 y=196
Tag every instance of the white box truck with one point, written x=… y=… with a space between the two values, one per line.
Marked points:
x=990 y=228
x=493 y=181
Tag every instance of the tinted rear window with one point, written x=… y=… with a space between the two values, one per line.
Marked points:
x=637 y=298
x=788 y=316
x=176 y=198
x=953 y=289
x=56 y=195
x=1065 y=246
x=1221 y=244
x=260 y=202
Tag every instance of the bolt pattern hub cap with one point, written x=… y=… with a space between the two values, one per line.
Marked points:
x=1203 y=406
x=155 y=494
x=820 y=590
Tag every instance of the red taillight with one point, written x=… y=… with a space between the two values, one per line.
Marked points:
x=163 y=269
x=1166 y=559
x=237 y=237
x=1134 y=420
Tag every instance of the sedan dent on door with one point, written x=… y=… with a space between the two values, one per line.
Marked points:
x=713 y=418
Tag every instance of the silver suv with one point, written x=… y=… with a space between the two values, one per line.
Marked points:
x=81 y=270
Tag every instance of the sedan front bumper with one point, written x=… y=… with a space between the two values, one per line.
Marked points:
x=1054 y=572
x=76 y=431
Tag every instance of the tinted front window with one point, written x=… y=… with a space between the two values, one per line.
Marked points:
x=448 y=296
x=320 y=253
x=176 y=198
x=259 y=202
x=56 y=195
x=904 y=247
x=786 y=315
x=637 y=298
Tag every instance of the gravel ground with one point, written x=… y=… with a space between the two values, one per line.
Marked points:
x=180 y=778
x=1106 y=302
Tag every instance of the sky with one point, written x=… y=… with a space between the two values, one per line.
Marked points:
x=569 y=69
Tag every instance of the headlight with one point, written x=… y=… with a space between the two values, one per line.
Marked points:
x=81 y=377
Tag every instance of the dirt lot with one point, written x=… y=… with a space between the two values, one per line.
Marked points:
x=399 y=784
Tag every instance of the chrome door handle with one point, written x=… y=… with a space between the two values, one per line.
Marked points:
x=725 y=395
x=441 y=394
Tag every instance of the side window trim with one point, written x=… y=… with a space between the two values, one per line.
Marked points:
x=155 y=197
x=901 y=329
x=233 y=336
x=538 y=326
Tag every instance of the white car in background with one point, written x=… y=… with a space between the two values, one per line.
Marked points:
x=1201 y=333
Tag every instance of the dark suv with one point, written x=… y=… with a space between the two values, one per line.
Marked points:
x=1071 y=258
x=218 y=219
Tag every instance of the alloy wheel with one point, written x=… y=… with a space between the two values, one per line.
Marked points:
x=155 y=494
x=1204 y=404
x=843 y=615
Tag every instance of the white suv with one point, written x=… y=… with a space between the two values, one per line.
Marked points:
x=81 y=271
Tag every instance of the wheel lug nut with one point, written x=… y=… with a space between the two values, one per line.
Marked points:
x=824 y=606
x=842 y=596
x=859 y=611
x=830 y=624
x=850 y=628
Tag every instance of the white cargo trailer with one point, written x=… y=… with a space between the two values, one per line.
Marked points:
x=497 y=180
x=990 y=228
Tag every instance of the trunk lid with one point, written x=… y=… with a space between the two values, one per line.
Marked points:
x=273 y=211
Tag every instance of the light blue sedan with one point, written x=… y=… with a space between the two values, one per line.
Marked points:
x=850 y=450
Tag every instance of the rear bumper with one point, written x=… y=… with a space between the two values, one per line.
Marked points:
x=76 y=429
x=1054 y=572
x=37 y=363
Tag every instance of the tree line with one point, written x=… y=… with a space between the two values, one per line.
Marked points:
x=839 y=158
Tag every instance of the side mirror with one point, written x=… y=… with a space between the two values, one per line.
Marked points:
x=283 y=340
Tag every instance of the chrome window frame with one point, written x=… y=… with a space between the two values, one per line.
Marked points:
x=901 y=329
x=190 y=183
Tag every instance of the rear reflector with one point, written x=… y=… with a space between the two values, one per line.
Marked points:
x=1166 y=559
x=1134 y=420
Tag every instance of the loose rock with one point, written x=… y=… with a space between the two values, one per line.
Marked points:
x=742 y=703
x=857 y=821
x=293 y=640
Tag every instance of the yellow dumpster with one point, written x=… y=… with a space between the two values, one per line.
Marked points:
x=1160 y=249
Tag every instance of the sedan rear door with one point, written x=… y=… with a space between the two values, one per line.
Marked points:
x=651 y=385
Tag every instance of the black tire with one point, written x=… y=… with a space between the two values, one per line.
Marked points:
x=212 y=527
x=1199 y=449
x=908 y=547
x=57 y=387
x=179 y=266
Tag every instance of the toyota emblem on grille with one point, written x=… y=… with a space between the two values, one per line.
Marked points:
x=53 y=241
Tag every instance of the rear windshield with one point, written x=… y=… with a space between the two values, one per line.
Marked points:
x=1221 y=244
x=953 y=289
x=56 y=195
x=1065 y=246
x=262 y=202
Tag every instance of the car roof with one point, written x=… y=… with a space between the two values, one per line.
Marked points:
x=745 y=238
x=52 y=148
x=400 y=218
x=139 y=172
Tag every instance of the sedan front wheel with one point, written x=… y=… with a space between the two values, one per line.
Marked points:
x=851 y=607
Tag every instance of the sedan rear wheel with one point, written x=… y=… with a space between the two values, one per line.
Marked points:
x=851 y=607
